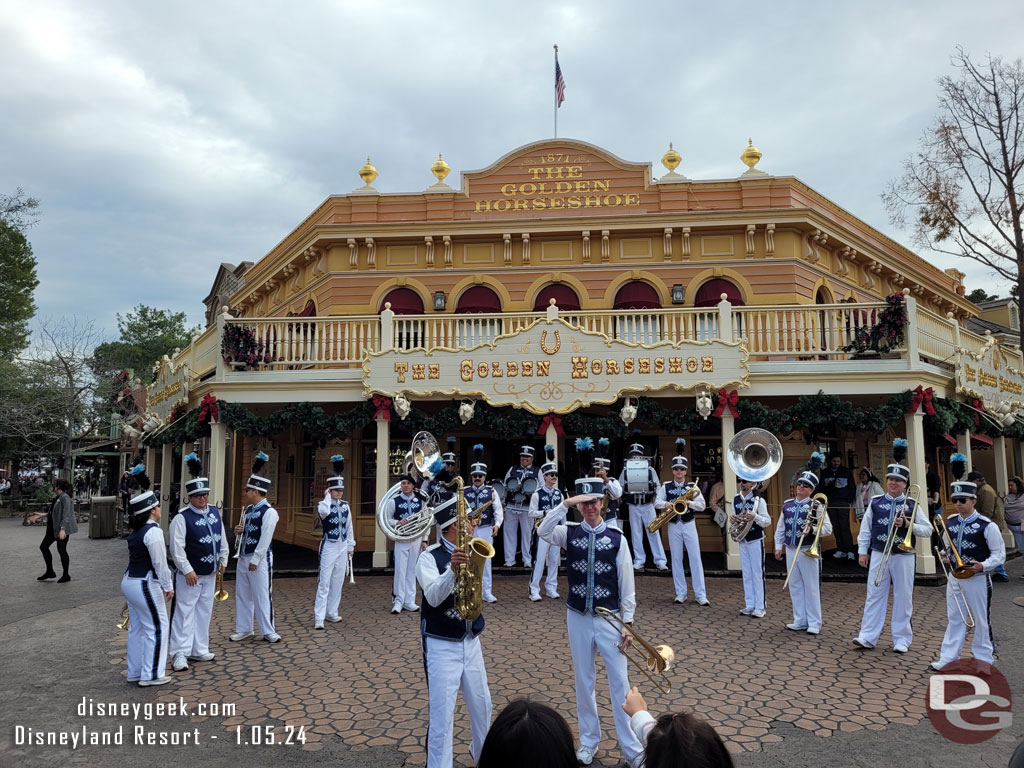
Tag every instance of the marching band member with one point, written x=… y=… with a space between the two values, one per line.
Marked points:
x=254 y=579
x=885 y=512
x=405 y=505
x=600 y=573
x=980 y=545
x=478 y=494
x=682 y=530
x=199 y=548
x=517 y=508
x=543 y=499
x=749 y=505
x=641 y=513
x=336 y=546
x=437 y=489
x=612 y=487
x=804 y=584
x=146 y=575
x=451 y=646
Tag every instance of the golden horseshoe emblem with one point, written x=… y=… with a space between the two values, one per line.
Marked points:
x=544 y=344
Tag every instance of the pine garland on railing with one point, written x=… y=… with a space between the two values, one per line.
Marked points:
x=888 y=331
x=240 y=345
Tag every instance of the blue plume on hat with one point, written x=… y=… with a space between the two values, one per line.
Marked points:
x=138 y=473
x=816 y=462
x=680 y=445
x=899 y=450
x=436 y=466
x=338 y=462
x=958 y=464
x=451 y=442
x=259 y=462
x=478 y=452
x=194 y=464
x=603 y=446
x=584 y=454
x=549 y=452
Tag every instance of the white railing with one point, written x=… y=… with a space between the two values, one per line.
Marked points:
x=936 y=336
x=454 y=331
x=814 y=330
x=329 y=342
x=205 y=351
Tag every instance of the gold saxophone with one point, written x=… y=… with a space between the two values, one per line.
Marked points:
x=677 y=507
x=469 y=577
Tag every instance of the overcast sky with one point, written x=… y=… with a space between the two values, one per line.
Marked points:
x=165 y=138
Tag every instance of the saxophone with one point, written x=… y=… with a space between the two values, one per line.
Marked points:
x=469 y=576
x=677 y=507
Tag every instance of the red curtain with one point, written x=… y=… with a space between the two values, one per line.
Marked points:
x=477 y=300
x=564 y=296
x=637 y=295
x=710 y=293
x=404 y=301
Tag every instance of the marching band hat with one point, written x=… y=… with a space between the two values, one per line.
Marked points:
x=601 y=460
x=478 y=467
x=197 y=486
x=528 y=450
x=449 y=457
x=591 y=487
x=636 y=449
x=408 y=477
x=445 y=513
x=256 y=481
x=810 y=475
x=897 y=470
x=549 y=466
x=145 y=500
x=337 y=482
x=679 y=461
x=962 y=489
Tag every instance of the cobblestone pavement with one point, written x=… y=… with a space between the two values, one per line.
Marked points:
x=357 y=688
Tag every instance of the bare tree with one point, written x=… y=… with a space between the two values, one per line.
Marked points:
x=963 y=186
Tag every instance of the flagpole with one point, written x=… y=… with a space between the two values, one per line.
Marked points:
x=556 y=94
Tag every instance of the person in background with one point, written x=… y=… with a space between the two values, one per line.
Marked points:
x=988 y=506
x=59 y=526
x=678 y=740
x=837 y=484
x=867 y=489
x=1013 y=510
x=934 y=487
x=528 y=733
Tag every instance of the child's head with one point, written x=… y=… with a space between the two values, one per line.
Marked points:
x=528 y=733
x=683 y=740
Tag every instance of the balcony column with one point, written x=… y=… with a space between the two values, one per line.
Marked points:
x=380 y=541
x=910 y=338
x=219 y=495
x=166 y=457
x=915 y=460
x=387 y=328
x=1001 y=481
x=963 y=445
x=732 y=548
x=222 y=320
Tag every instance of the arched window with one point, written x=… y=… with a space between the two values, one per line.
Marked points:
x=710 y=293
x=478 y=300
x=408 y=331
x=637 y=295
x=564 y=296
x=632 y=323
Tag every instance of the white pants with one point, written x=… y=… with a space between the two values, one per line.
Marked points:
x=588 y=635
x=254 y=593
x=804 y=588
x=546 y=556
x=640 y=515
x=404 y=585
x=517 y=520
x=752 y=568
x=978 y=592
x=451 y=665
x=191 y=610
x=486 y=532
x=333 y=564
x=682 y=537
x=899 y=574
x=147 y=632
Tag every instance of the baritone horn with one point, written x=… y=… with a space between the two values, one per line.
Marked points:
x=754 y=455
x=125 y=621
x=655 y=659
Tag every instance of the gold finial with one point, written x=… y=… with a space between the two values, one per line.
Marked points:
x=671 y=159
x=751 y=155
x=440 y=169
x=368 y=173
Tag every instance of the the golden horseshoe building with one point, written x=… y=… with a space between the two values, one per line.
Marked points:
x=561 y=292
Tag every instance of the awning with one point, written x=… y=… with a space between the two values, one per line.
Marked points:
x=404 y=301
x=564 y=296
x=478 y=299
x=637 y=295
x=977 y=441
x=710 y=293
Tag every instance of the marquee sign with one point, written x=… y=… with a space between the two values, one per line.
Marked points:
x=987 y=377
x=170 y=388
x=551 y=366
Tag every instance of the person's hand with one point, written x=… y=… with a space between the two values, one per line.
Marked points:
x=191 y=579
x=977 y=567
x=902 y=522
x=221 y=569
x=239 y=528
x=423 y=545
x=862 y=560
x=168 y=594
x=459 y=557
x=625 y=639
x=253 y=566
x=943 y=557
x=62 y=535
x=496 y=529
x=634 y=702
x=778 y=554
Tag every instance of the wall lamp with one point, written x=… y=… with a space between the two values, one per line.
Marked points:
x=678 y=294
x=439 y=301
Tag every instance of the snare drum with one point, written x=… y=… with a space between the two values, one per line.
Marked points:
x=513 y=484
x=498 y=489
x=638 y=476
x=529 y=485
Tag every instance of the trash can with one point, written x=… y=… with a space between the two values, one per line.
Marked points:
x=103 y=517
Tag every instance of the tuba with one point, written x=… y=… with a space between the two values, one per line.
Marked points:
x=422 y=462
x=754 y=455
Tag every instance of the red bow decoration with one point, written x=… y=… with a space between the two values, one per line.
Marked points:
x=922 y=396
x=551 y=420
x=208 y=409
x=383 y=406
x=730 y=399
x=979 y=406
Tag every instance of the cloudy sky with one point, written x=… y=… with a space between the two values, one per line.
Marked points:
x=165 y=138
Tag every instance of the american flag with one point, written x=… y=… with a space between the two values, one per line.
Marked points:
x=559 y=85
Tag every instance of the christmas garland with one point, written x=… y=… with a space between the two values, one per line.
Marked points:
x=241 y=346
x=887 y=332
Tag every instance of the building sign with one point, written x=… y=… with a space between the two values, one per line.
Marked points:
x=170 y=388
x=987 y=377
x=551 y=366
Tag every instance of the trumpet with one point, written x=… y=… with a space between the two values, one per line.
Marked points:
x=221 y=594
x=655 y=659
x=240 y=537
x=816 y=520
x=125 y=621
x=893 y=540
x=677 y=507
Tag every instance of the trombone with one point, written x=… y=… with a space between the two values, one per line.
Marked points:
x=954 y=571
x=815 y=519
x=892 y=540
x=654 y=659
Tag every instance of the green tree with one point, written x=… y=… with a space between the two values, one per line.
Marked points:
x=146 y=335
x=979 y=295
x=18 y=267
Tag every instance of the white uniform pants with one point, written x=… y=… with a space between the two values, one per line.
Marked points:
x=978 y=591
x=191 y=610
x=752 y=567
x=682 y=537
x=588 y=635
x=486 y=532
x=147 y=632
x=254 y=593
x=640 y=516
x=404 y=585
x=517 y=520
x=804 y=588
x=451 y=665
x=546 y=556
x=333 y=564
x=899 y=574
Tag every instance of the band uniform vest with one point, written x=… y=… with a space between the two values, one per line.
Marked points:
x=969 y=537
x=442 y=621
x=438 y=492
x=673 y=491
x=794 y=515
x=548 y=499
x=881 y=515
x=140 y=564
x=337 y=521
x=253 y=527
x=591 y=564
x=476 y=497
x=741 y=506
x=406 y=506
x=202 y=538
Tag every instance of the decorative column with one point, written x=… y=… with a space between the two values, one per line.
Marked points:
x=219 y=495
x=166 y=457
x=380 y=541
x=963 y=445
x=915 y=459
x=1001 y=481
x=732 y=548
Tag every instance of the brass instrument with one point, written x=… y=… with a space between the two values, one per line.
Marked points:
x=221 y=594
x=477 y=513
x=125 y=621
x=815 y=519
x=469 y=576
x=677 y=507
x=241 y=536
x=351 y=570
x=422 y=462
x=962 y=569
x=754 y=455
x=893 y=540
x=656 y=659
x=954 y=571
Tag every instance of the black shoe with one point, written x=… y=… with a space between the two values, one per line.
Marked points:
x=1000 y=577
x=64 y=579
x=47 y=575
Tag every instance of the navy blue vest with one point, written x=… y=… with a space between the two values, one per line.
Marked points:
x=476 y=498
x=548 y=499
x=590 y=559
x=202 y=538
x=969 y=537
x=742 y=507
x=437 y=492
x=612 y=511
x=336 y=522
x=794 y=515
x=253 y=526
x=672 y=492
x=407 y=507
x=443 y=622
x=881 y=515
x=140 y=564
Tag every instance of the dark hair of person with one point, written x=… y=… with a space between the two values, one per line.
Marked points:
x=1016 y=479
x=62 y=485
x=684 y=740
x=528 y=734
x=140 y=519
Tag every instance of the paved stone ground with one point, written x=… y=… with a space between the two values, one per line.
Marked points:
x=778 y=698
